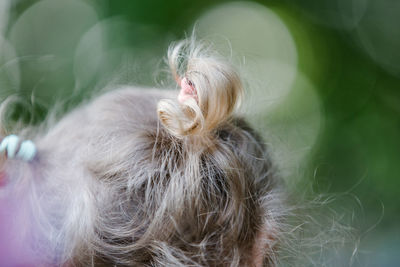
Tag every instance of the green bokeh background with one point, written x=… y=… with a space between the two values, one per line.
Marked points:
x=337 y=120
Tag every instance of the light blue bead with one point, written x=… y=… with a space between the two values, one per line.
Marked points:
x=10 y=143
x=4 y=143
x=27 y=151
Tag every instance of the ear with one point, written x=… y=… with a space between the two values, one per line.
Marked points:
x=264 y=244
x=188 y=90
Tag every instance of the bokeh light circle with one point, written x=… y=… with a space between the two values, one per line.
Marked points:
x=338 y=14
x=264 y=49
x=378 y=33
x=45 y=37
x=293 y=128
x=9 y=69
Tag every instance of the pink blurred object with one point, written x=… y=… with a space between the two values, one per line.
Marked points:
x=16 y=229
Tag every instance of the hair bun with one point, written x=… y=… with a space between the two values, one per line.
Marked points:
x=217 y=91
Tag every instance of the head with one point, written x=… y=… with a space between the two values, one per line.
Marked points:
x=136 y=179
x=207 y=194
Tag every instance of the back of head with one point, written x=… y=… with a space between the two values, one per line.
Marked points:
x=199 y=187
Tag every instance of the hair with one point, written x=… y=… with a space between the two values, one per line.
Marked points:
x=218 y=87
x=136 y=178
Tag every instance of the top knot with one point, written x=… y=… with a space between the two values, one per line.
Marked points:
x=210 y=91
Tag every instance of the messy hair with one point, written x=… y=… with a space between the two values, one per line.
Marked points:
x=135 y=178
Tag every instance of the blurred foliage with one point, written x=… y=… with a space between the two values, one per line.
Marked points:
x=323 y=80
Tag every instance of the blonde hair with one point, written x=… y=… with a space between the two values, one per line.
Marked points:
x=218 y=87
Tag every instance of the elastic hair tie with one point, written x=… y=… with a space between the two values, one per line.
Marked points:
x=27 y=150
